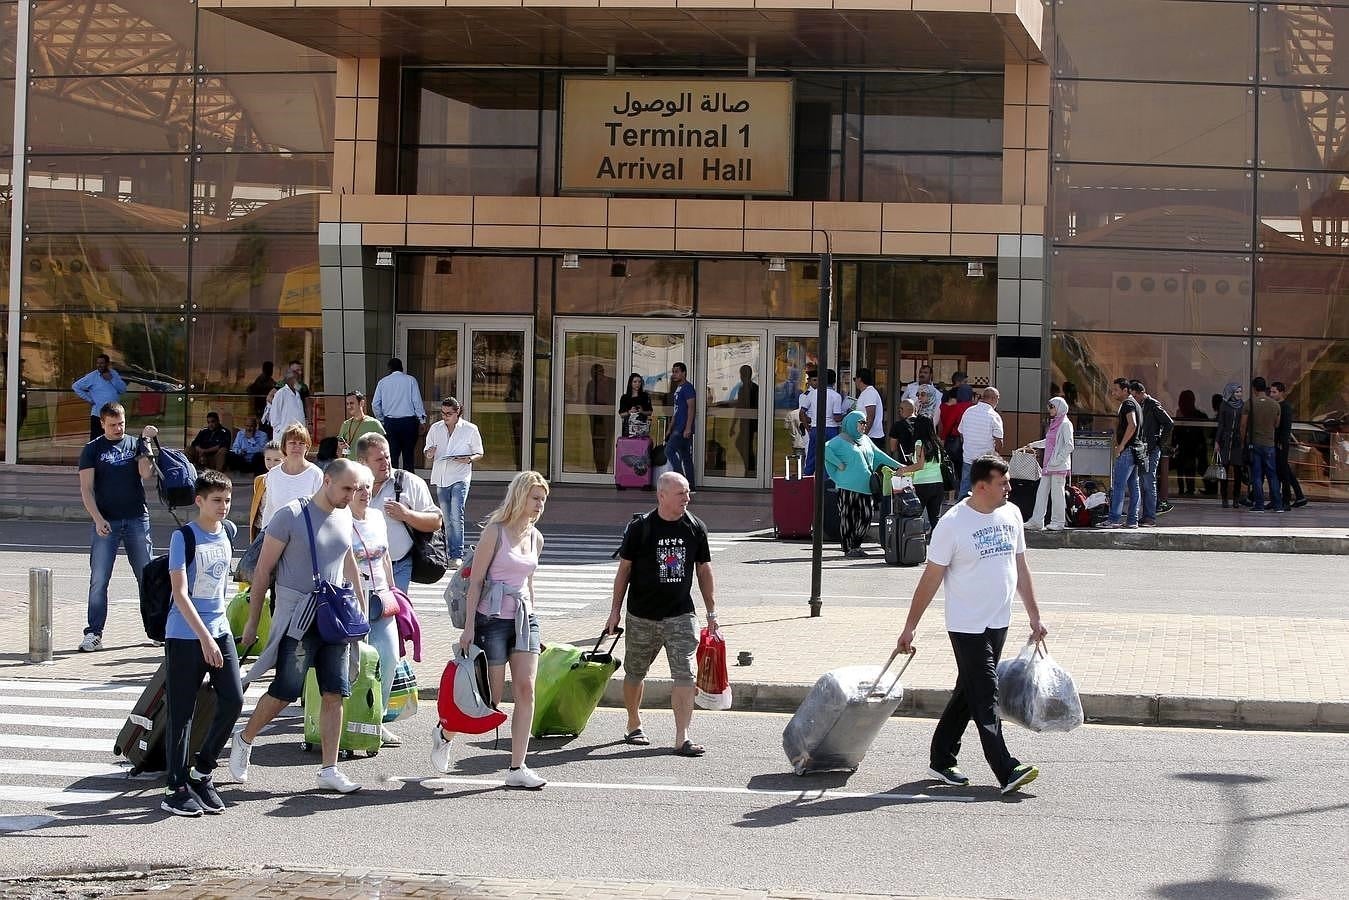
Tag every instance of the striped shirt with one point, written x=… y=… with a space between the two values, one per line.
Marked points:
x=978 y=427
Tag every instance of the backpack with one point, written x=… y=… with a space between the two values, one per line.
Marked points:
x=1078 y=514
x=643 y=521
x=464 y=702
x=177 y=477
x=456 y=592
x=157 y=586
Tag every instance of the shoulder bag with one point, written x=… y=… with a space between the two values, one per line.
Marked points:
x=336 y=612
x=429 y=562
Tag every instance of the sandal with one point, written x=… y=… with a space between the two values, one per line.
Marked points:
x=637 y=737
x=688 y=748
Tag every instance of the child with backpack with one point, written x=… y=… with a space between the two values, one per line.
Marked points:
x=197 y=644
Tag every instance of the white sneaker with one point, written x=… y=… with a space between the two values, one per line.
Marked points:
x=240 y=753
x=388 y=739
x=440 y=751
x=525 y=779
x=91 y=643
x=457 y=563
x=1033 y=526
x=1056 y=527
x=334 y=780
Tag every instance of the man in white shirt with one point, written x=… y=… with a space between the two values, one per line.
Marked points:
x=400 y=409
x=835 y=407
x=977 y=555
x=453 y=445
x=285 y=404
x=405 y=500
x=869 y=405
x=980 y=432
x=912 y=388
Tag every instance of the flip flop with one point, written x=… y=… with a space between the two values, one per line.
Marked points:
x=637 y=737
x=688 y=748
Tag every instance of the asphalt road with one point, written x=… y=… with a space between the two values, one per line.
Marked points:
x=1118 y=812
x=765 y=572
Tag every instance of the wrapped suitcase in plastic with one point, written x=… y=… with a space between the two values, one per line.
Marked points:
x=841 y=716
x=793 y=502
x=569 y=686
x=632 y=462
x=362 y=712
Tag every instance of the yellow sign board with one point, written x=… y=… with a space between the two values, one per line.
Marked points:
x=301 y=299
x=677 y=135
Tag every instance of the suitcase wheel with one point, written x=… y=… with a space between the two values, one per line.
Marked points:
x=305 y=746
x=344 y=755
x=374 y=752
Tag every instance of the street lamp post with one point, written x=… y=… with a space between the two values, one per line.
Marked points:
x=820 y=418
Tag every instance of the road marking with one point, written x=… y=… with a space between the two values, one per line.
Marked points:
x=70 y=769
x=83 y=724
x=16 y=793
x=1063 y=603
x=70 y=686
x=23 y=823
x=804 y=794
x=67 y=703
x=1072 y=574
x=42 y=742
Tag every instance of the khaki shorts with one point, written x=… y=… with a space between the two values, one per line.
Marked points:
x=644 y=638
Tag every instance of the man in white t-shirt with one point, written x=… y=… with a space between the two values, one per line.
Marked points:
x=835 y=408
x=977 y=555
x=980 y=433
x=869 y=404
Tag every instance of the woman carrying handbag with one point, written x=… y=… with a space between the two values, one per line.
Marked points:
x=1057 y=470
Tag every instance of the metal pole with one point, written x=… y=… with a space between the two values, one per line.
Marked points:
x=18 y=180
x=40 y=616
x=820 y=418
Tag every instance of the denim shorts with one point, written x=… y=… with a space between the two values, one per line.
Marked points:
x=295 y=658
x=496 y=637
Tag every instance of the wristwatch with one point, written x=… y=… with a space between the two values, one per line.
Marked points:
x=711 y=617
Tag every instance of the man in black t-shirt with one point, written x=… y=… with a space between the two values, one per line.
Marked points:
x=1130 y=458
x=661 y=551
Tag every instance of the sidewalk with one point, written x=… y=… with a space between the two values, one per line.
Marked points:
x=51 y=493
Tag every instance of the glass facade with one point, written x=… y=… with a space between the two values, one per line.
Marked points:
x=1200 y=159
x=174 y=167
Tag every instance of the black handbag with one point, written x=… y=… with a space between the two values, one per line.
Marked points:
x=657 y=455
x=877 y=484
x=429 y=562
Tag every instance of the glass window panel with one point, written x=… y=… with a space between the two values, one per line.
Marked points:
x=234 y=412
x=926 y=292
x=497 y=395
x=270 y=192
x=6 y=116
x=1304 y=128
x=257 y=273
x=731 y=415
x=99 y=273
x=791 y=357
x=653 y=353
x=56 y=423
x=148 y=350
x=224 y=45
x=453 y=283
x=933 y=112
x=648 y=287
x=141 y=113
x=1166 y=363
x=1152 y=206
x=464 y=172
x=911 y=178
x=1302 y=296
x=733 y=288
x=475 y=108
x=131 y=39
x=1199 y=41
x=589 y=411
x=1316 y=374
x=1303 y=210
x=1131 y=290
x=433 y=359
x=228 y=349
x=266 y=113
x=1300 y=44
x=1159 y=124
x=107 y=193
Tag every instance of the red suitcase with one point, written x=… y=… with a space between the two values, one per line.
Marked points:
x=632 y=462
x=793 y=502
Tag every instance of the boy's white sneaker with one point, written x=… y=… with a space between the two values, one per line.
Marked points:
x=91 y=643
x=525 y=779
x=240 y=753
x=440 y=751
x=334 y=780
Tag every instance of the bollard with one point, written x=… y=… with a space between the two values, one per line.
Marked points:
x=40 y=616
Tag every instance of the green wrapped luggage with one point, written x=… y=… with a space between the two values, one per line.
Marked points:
x=237 y=615
x=569 y=686
x=362 y=712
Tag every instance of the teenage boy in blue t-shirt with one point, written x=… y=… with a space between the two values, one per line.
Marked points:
x=197 y=643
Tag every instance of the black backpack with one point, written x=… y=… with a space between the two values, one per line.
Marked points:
x=642 y=520
x=157 y=586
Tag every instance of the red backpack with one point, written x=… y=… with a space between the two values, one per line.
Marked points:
x=1078 y=514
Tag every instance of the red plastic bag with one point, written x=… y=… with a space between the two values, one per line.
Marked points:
x=714 y=682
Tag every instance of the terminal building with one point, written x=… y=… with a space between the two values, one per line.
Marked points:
x=528 y=200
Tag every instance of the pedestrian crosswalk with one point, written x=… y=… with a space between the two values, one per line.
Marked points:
x=575 y=573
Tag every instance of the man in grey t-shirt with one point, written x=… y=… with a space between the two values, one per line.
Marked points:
x=294 y=646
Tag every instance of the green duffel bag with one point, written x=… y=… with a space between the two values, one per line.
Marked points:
x=362 y=712
x=237 y=615
x=569 y=686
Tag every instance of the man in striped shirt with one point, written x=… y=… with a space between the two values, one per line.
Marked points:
x=981 y=432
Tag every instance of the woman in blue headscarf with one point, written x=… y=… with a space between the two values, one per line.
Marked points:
x=849 y=460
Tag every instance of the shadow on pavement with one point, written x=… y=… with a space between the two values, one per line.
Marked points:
x=809 y=806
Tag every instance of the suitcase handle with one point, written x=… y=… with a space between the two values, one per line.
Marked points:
x=588 y=655
x=898 y=675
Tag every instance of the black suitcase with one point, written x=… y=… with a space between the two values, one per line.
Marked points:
x=141 y=740
x=905 y=540
x=832 y=532
x=1023 y=495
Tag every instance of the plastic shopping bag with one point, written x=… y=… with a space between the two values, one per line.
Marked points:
x=403 y=693
x=714 y=682
x=1037 y=693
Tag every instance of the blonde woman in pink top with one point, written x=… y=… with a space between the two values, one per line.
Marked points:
x=504 y=625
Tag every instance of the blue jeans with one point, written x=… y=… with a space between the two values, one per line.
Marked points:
x=808 y=468
x=679 y=453
x=1125 y=476
x=452 y=499
x=1264 y=465
x=384 y=638
x=1148 y=482
x=134 y=534
x=964 y=479
x=402 y=573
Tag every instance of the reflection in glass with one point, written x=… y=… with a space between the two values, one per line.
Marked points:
x=914 y=178
x=258 y=272
x=1302 y=296
x=591 y=383
x=652 y=356
x=1303 y=211
x=261 y=191
x=1302 y=43
x=129 y=193
x=497 y=396
x=455 y=283
x=107 y=37
x=917 y=112
x=433 y=359
x=228 y=349
x=105 y=272
x=266 y=113
x=476 y=107
x=1188 y=41
x=640 y=287
x=791 y=357
x=224 y=45
x=734 y=288
x=58 y=348
x=123 y=114
x=1132 y=290
x=56 y=424
x=464 y=171
x=926 y=292
x=731 y=421
x=1316 y=374
x=1303 y=128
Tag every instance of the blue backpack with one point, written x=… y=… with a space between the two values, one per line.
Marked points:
x=177 y=477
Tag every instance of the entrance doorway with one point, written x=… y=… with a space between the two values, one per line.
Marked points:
x=488 y=364
x=895 y=353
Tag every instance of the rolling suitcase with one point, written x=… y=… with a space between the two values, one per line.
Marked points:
x=569 y=686
x=362 y=712
x=141 y=740
x=905 y=540
x=840 y=718
x=832 y=532
x=632 y=462
x=793 y=502
x=1023 y=495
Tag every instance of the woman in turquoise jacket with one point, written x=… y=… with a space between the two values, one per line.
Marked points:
x=849 y=460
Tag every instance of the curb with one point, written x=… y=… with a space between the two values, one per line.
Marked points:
x=1157 y=539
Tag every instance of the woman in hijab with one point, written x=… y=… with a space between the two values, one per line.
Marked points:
x=1230 y=445
x=1191 y=444
x=1058 y=448
x=849 y=460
